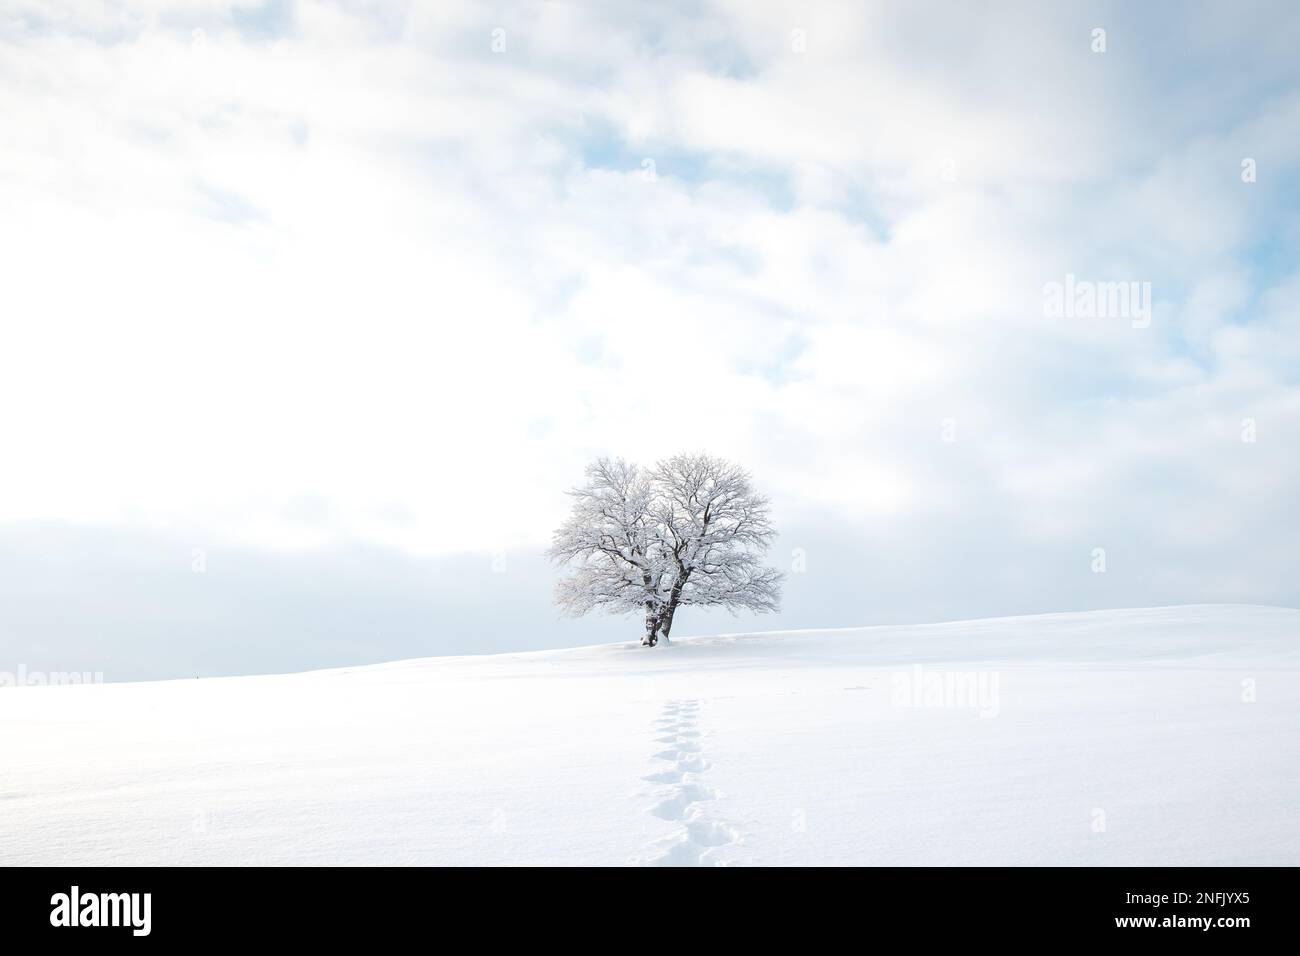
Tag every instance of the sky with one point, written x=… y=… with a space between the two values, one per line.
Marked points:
x=312 y=311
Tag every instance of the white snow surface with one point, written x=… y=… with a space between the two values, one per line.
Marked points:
x=1153 y=736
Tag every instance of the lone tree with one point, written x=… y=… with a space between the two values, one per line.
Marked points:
x=688 y=532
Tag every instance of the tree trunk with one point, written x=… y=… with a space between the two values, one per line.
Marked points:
x=666 y=622
x=674 y=597
x=651 y=626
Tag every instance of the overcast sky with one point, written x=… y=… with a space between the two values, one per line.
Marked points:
x=312 y=311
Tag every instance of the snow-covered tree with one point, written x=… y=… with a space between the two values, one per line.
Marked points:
x=691 y=531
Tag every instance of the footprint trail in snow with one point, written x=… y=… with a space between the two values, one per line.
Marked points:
x=683 y=796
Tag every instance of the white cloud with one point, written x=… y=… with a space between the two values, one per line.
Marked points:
x=371 y=279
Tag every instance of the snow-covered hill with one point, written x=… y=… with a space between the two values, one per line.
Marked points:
x=1160 y=736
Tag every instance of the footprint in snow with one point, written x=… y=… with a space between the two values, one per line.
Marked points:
x=683 y=796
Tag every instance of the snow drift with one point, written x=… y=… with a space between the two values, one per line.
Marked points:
x=1155 y=736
